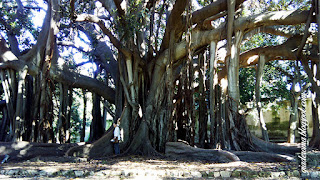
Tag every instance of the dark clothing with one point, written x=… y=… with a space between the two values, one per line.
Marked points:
x=116 y=148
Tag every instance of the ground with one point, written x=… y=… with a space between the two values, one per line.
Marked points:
x=136 y=167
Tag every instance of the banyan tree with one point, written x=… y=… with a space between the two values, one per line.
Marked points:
x=170 y=69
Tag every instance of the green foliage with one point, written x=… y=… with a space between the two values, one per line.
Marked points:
x=260 y=40
x=273 y=86
x=133 y=21
x=18 y=24
x=246 y=84
x=75 y=122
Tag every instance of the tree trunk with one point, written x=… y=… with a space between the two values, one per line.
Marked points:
x=84 y=117
x=8 y=95
x=294 y=116
x=212 y=72
x=20 y=109
x=189 y=77
x=315 y=139
x=35 y=110
x=28 y=114
x=259 y=75
x=141 y=144
x=49 y=57
x=62 y=121
x=96 y=128
x=202 y=104
x=4 y=124
x=170 y=84
x=68 y=113
x=233 y=89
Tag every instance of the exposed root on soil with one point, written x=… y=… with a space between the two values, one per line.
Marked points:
x=100 y=148
x=270 y=147
x=181 y=150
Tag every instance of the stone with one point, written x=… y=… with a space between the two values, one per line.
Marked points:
x=32 y=172
x=50 y=172
x=264 y=174
x=225 y=174
x=99 y=173
x=314 y=174
x=161 y=173
x=204 y=173
x=115 y=173
x=296 y=173
x=216 y=174
x=126 y=173
x=13 y=172
x=245 y=173
x=196 y=174
x=78 y=173
x=64 y=173
x=91 y=173
x=289 y=173
x=82 y=160
x=173 y=173
x=275 y=174
x=211 y=174
x=305 y=175
x=185 y=174
x=282 y=173
x=236 y=173
x=42 y=173
x=67 y=173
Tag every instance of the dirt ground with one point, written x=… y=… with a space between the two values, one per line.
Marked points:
x=140 y=164
x=122 y=167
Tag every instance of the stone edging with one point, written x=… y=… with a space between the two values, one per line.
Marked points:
x=238 y=173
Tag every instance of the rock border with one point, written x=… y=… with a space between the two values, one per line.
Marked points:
x=237 y=173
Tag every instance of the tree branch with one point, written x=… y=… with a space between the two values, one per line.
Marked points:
x=285 y=51
x=174 y=22
x=271 y=18
x=72 y=44
x=269 y=30
x=77 y=80
x=113 y=7
x=105 y=30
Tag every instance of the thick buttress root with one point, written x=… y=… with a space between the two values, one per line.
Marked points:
x=100 y=148
x=141 y=144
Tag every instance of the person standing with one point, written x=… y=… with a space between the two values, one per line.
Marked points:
x=116 y=138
